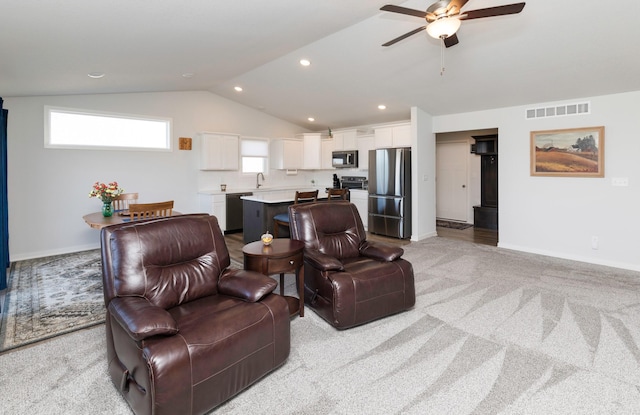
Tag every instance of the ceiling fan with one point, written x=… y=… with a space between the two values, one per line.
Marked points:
x=444 y=18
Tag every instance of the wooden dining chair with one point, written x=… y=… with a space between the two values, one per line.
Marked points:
x=282 y=219
x=122 y=201
x=337 y=194
x=150 y=210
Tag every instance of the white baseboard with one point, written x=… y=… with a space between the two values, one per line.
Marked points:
x=588 y=260
x=42 y=254
x=416 y=238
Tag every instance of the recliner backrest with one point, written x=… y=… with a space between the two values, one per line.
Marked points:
x=168 y=261
x=334 y=229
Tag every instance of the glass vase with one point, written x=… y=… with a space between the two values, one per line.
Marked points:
x=107 y=209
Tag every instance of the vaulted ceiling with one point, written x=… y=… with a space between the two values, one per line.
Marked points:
x=552 y=50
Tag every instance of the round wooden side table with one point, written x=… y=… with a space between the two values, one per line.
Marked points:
x=282 y=256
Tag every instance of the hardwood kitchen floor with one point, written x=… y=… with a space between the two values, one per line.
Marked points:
x=481 y=236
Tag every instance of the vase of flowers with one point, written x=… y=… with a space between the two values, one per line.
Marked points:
x=106 y=193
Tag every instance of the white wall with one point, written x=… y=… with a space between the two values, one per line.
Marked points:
x=49 y=188
x=558 y=216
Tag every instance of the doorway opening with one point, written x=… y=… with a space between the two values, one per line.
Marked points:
x=460 y=186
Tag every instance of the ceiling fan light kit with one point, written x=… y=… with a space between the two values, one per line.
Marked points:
x=443 y=28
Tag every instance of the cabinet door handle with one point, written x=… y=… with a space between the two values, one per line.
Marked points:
x=291 y=262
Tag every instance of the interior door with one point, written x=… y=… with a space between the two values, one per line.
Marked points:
x=452 y=191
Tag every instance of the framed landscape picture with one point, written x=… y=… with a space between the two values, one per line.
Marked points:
x=574 y=152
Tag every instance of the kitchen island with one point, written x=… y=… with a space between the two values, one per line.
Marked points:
x=260 y=208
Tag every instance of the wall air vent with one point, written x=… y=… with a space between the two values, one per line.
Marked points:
x=578 y=108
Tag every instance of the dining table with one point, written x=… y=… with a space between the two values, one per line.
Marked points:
x=98 y=221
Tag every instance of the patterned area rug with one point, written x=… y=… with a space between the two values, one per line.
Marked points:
x=50 y=296
x=452 y=224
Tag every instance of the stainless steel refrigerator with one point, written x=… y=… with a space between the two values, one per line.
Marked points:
x=390 y=192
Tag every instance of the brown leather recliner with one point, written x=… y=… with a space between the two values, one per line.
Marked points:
x=184 y=332
x=348 y=280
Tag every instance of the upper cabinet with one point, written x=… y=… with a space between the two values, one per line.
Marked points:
x=312 y=151
x=219 y=151
x=345 y=140
x=365 y=143
x=286 y=154
x=485 y=144
x=392 y=136
x=327 y=156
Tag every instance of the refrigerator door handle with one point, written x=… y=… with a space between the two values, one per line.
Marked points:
x=385 y=196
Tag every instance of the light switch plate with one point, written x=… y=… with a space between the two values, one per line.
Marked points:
x=620 y=181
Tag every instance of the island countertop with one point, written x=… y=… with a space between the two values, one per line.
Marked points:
x=280 y=196
x=266 y=189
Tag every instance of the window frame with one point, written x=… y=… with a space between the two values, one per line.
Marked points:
x=48 y=109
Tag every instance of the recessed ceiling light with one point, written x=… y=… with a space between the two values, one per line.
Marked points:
x=187 y=75
x=238 y=88
x=305 y=62
x=96 y=75
x=311 y=119
x=382 y=107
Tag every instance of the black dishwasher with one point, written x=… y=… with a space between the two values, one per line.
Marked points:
x=234 y=211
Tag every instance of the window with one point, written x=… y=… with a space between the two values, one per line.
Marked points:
x=71 y=128
x=254 y=153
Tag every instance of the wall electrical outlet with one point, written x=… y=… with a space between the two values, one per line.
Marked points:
x=594 y=242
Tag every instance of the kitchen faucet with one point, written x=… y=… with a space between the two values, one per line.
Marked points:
x=258 y=184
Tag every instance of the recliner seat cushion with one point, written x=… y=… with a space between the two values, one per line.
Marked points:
x=219 y=326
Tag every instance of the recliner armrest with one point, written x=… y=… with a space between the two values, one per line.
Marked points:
x=381 y=252
x=141 y=319
x=322 y=261
x=247 y=285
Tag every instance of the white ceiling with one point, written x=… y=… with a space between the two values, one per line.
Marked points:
x=552 y=50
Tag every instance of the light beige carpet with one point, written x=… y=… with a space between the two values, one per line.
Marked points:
x=493 y=332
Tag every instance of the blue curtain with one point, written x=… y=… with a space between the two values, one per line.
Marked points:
x=4 y=209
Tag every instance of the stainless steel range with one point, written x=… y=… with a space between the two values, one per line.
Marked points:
x=354 y=182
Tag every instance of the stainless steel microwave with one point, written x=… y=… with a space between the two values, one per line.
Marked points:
x=344 y=159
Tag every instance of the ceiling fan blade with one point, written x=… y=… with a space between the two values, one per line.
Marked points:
x=406 y=35
x=451 y=40
x=403 y=10
x=455 y=6
x=493 y=11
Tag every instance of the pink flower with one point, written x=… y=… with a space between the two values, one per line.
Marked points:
x=106 y=192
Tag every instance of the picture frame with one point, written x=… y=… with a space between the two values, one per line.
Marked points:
x=572 y=152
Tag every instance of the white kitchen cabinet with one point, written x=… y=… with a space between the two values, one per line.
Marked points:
x=360 y=198
x=311 y=151
x=327 y=149
x=215 y=205
x=393 y=136
x=345 y=140
x=286 y=154
x=219 y=151
x=365 y=143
